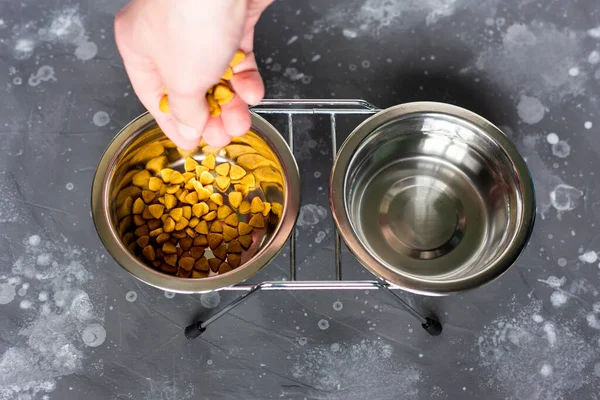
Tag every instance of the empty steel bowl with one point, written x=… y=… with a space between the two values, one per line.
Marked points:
x=143 y=140
x=432 y=198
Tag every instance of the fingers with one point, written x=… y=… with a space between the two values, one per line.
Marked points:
x=214 y=133
x=247 y=81
x=235 y=117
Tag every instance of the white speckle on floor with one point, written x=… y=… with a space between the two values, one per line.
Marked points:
x=594 y=57
x=561 y=149
x=101 y=118
x=587 y=125
x=565 y=197
x=530 y=110
x=131 y=296
x=558 y=299
x=316 y=58
x=573 y=71
x=323 y=324
x=337 y=305
x=320 y=236
x=70 y=186
x=210 y=299
x=169 y=295
x=349 y=33
x=311 y=214
x=589 y=257
x=292 y=40
x=93 y=335
x=7 y=293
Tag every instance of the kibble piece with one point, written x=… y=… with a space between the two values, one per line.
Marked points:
x=146 y=213
x=160 y=253
x=156 y=232
x=244 y=207
x=206 y=178
x=216 y=227
x=231 y=220
x=187 y=263
x=189 y=185
x=238 y=57
x=209 y=162
x=223 y=212
x=244 y=228
x=223 y=169
x=221 y=251
x=200 y=240
x=235 y=199
x=148 y=253
x=194 y=222
x=217 y=198
x=169 y=248
x=267 y=208
x=202 y=264
x=171 y=259
x=266 y=174
x=245 y=241
x=210 y=188
x=214 y=264
x=156 y=263
x=228 y=74
x=138 y=206
x=191 y=198
x=170 y=201
x=222 y=183
x=243 y=189
x=172 y=189
x=154 y=184
x=181 y=224
x=178 y=235
x=141 y=179
x=154 y=224
x=222 y=94
x=148 y=196
x=234 y=260
x=130 y=191
x=156 y=164
x=156 y=210
x=196 y=251
x=187 y=212
x=202 y=227
x=138 y=220
x=248 y=180
x=177 y=178
x=169 y=225
x=257 y=221
x=125 y=208
x=190 y=232
x=128 y=237
x=214 y=240
x=257 y=205
x=210 y=216
x=229 y=233
x=254 y=161
x=142 y=231
x=162 y=238
x=203 y=193
x=143 y=241
x=176 y=214
x=197 y=210
x=199 y=170
x=168 y=269
x=277 y=209
x=163 y=104
x=182 y=273
x=234 y=246
x=198 y=274
x=190 y=164
x=181 y=195
x=187 y=176
x=224 y=268
x=132 y=247
x=186 y=243
x=237 y=172
x=212 y=206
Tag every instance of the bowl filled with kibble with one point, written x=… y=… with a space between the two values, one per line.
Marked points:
x=200 y=220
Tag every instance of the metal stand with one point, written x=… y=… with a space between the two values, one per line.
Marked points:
x=314 y=107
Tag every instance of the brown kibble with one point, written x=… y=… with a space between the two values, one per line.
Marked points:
x=202 y=264
x=191 y=198
x=154 y=224
x=245 y=241
x=189 y=184
x=222 y=93
x=169 y=248
x=177 y=235
x=221 y=251
x=223 y=212
x=138 y=220
x=257 y=221
x=179 y=252
x=222 y=183
x=277 y=209
x=168 y=269
x=187 y=212
x=130 y=191
x=210 y=216
x=176 y=214
x=143 y=241
x=212 y=206
x=190 y=164
x=172 y=189
x=254 y=161
x=197 y=210
x=202 y=227
x=210 y=188
x=156 y=263
x=148 y=253
x=154 y=184
x=198 y=274
x=200 y=240
x=248 y=180
x=237 y=172
x=209 y=162
x=156 y=232
x=199 y=170
x=156 y=210
x=160 y=253
x=235 y=199
x=162 y=238
x=244 y=228
x=194 y=222
x=231 y=220
x=138 y=205
x=238 y=57
x=141 y=179
x=203 y=193
x=186 y=243
x=223 y=169
x=190 y=232
x=132 y=246
x=224 y=268
x=234 y=260
x=217 y=198
x=196 y=252
x=146 y=214
x=187 y=263
x=229 y=233
x=148 y=196
x=206 y=178
x=181 y=195
x=181 y=224
x=128 y=237
x=177 y=178
x=169 y=225
x=243 y=189
x=170 y=201
x=257 y=205
x=187 y=176
x=163 y=190
x=244 y=207
x=155 y=164
x=236 y=150
x=214 y=264
x=171 y=259
x=214 y=240
x=216 y=227
x=182 y=273
x=266 y=174
x=142 y=231
x=267 y=208
x=125 y=208
x=234 y=246
x=228 y=74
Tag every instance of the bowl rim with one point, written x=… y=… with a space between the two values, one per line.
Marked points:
x=422 y=285
x=108 y=235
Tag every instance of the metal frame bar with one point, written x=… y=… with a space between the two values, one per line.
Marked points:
x=314 y=107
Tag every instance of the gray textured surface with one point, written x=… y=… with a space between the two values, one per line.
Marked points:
x=531 y=67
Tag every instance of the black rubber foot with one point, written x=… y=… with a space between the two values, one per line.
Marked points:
x=194 y=330
x=432 y=326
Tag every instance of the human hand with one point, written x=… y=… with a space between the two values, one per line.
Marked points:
x=185 y=46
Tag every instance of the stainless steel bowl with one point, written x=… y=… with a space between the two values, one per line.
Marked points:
x=135 y=144
x=432 y=198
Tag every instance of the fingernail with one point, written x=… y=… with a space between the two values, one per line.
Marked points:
x=187 y=132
